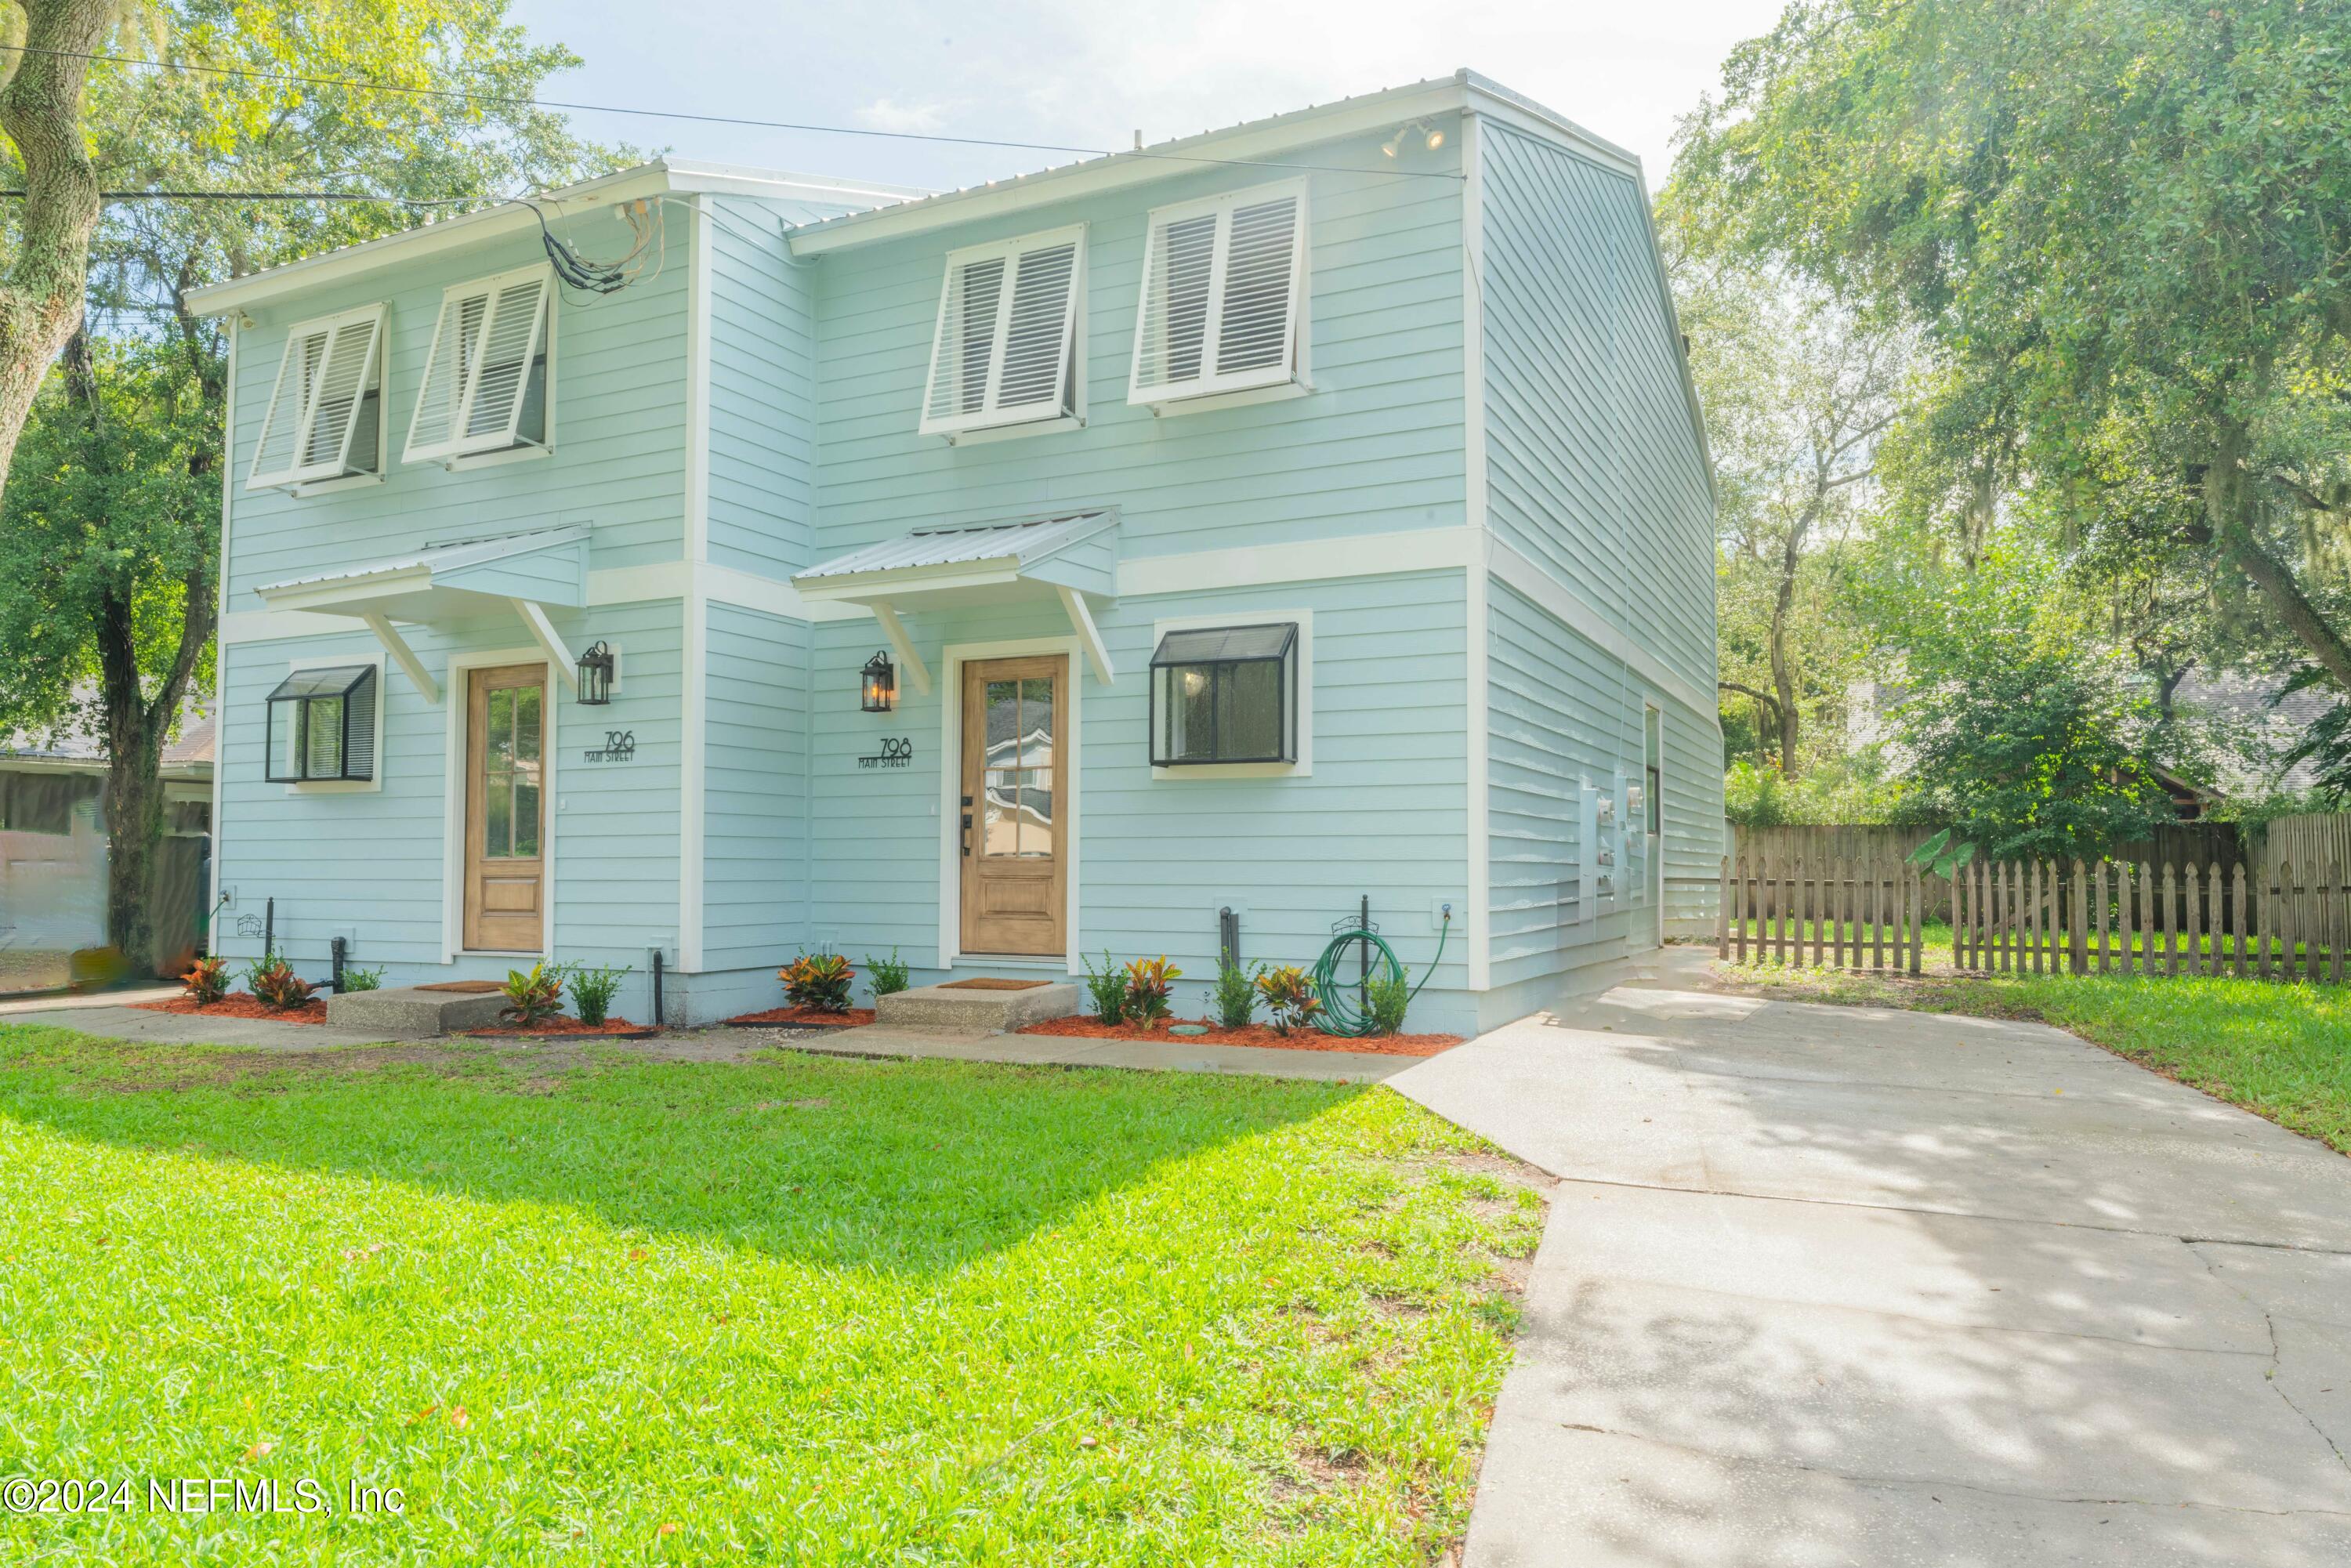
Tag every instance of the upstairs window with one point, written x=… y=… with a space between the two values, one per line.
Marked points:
x=1225 y=694
x=322 y=725
x=1005 y=351
x=325 y=419
x=1224 y=287
x=486 y=376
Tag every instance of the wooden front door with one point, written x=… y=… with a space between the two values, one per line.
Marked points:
x=505 y=810
x=1015 y=797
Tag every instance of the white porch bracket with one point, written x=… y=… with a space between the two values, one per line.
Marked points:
x=402 y=654
x=1081 y=621
x=903 y=645
x=542 y=632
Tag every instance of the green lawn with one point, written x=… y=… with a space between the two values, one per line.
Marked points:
x=2281 y=1050
x=793 y=1309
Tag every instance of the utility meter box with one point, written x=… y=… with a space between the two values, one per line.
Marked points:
x=1600 y=839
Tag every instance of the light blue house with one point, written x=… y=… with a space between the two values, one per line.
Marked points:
x=1300 y=514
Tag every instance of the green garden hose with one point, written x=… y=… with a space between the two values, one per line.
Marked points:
x=1342 y=1012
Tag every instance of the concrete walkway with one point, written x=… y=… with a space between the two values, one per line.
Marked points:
x=1174 y=1054
x=1829 y=1285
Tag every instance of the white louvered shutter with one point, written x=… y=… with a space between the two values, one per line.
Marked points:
x=1005 y=351
x=1223 y=294
x=477 y=374
x=347 y=374
x=315 y=408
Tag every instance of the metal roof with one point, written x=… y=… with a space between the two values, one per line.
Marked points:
x=443 y=558
x=1024 y=542
x=654 y=177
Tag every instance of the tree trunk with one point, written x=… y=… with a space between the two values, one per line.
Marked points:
x=40 y=111
x=2228 y=497
x=133 y=723
x=1783 y=679
x=134 y=831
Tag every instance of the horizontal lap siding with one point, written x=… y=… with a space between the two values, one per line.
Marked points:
x=754 y=874
x=1378 y=445
x=1595 y=471
x=762 y=419
x=1382 y=813
x=1562 y=713
x=373 y=863
x=1696 y=834
x=619 y=381
x=1596 y=474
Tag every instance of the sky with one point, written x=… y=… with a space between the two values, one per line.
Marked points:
x=1091 y=75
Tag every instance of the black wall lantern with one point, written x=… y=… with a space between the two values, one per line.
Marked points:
x=596 y=675
x=879 y=688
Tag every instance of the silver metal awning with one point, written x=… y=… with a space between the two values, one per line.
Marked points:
x=971 y=554
x=1068 y=556
x=527 y=571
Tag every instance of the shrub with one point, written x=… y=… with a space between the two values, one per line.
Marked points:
x=1289 y=999
x=206 y=980
x=533 y=995
x=274 y=983
x=363 y=980
x=1106 y=988
x=1150 y=984
x=1386 y=998
x=1235 y=992
x=819 y=982
x=886 y=977
x=591 y=991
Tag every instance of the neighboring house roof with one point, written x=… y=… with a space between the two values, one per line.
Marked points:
x=2241 y=702
x=2252 y=702
x=188 y=757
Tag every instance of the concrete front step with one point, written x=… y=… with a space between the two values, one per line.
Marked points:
x=415 y=1012
x=951 y=1007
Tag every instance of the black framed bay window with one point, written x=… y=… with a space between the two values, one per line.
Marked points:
x=1225 y=694
x=322 y=725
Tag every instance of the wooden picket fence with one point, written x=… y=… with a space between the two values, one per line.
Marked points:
x=2117 y=917
x=1868 y=913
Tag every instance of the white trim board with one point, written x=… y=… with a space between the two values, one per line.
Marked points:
x=1196 y=572
x=1477 y=586
x=1477 y=580
x=452 y=798
x=951 y=663
x=695 y=633
x=220 y=656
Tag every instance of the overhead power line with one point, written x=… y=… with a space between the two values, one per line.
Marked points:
x=277 y=196
x=360 y=85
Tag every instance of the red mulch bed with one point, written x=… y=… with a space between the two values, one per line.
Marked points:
x=1256 y=1034
x=241 y=1005
x=854 y=1017
x=547 y=1029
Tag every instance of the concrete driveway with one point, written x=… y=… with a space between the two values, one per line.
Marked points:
x=1831 y=1285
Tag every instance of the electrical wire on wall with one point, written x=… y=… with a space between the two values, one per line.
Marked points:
x=649 y=238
